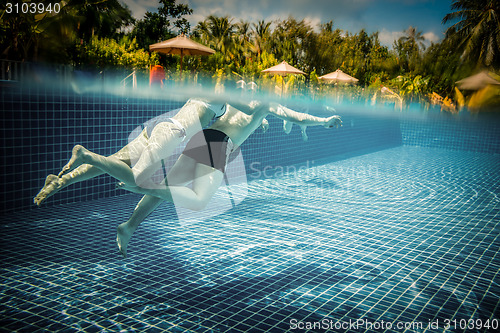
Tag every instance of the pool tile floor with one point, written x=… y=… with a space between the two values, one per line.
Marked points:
x=404 y=239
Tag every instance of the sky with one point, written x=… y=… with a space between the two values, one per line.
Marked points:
x=389 y=17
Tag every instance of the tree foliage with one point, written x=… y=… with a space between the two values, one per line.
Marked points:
x=155 y=27
x=105 y=53
x=103 y=33
x=478 y=28
x=52 y=36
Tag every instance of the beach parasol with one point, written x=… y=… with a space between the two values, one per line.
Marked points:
x=181 y=45
x=283 y=69
x=476 y=82
x=338 y=76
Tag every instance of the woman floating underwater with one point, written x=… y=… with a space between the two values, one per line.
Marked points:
x=145 y=152
x=202 y=163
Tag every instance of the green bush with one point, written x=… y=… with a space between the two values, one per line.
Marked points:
x=107 y=53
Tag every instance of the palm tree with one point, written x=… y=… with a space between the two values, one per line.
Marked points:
x=243 y=30
x=414 y=38
x=478 y=29
x=242 y=43
x=408 y=48
x=101 y=18
x=217 y=32
x=261 y=33
x=27 y=35
x=290 y=41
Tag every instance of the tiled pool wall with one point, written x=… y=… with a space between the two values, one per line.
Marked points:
x=469 y=132
x=39 y=128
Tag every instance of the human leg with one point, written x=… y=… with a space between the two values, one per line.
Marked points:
x=205 y=183
x=182 y=173
x=164 y=138
x=125 y=230
x=54 y=184
x=108 y=164
x=197 y=198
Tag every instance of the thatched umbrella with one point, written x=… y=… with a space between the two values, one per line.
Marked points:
x=338 y=76
x=476 y=82
x=283 y=70
x=181 y=45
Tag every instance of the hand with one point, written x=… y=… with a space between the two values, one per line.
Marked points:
x=287 y=126
x=333 y=121
x=264 y=125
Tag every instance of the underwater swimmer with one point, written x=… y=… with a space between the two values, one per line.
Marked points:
x=147 y=150
x=203 y=166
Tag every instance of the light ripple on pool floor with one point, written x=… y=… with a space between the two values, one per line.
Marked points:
x=413 y=238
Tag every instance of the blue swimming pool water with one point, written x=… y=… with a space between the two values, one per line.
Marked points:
x=408 y=234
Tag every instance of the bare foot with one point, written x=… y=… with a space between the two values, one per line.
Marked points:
x=52 y=185
x=78 y=157
x=123 y=234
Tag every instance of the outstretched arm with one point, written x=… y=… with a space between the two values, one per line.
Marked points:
x=303 y=119
x=248 y=108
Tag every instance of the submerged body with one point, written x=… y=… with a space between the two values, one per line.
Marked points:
x=194 y=167
x=204 y=177
x=142 y=155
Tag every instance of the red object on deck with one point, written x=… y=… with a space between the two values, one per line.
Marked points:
x=156 y=76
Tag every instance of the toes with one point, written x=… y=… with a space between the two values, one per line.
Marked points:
x=73 y=162
x=62 y=172
x=37 y=200
x=122 y=252
x=49 y=179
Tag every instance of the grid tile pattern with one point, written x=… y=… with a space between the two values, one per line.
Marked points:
x=41 y=126
x=403 y=235
x=466 y=131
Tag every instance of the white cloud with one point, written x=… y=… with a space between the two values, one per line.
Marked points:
x=313 y=22
x=431 y=37
x=254 y=10
x=387 y=37
x=348 y=15
x=236 y=10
